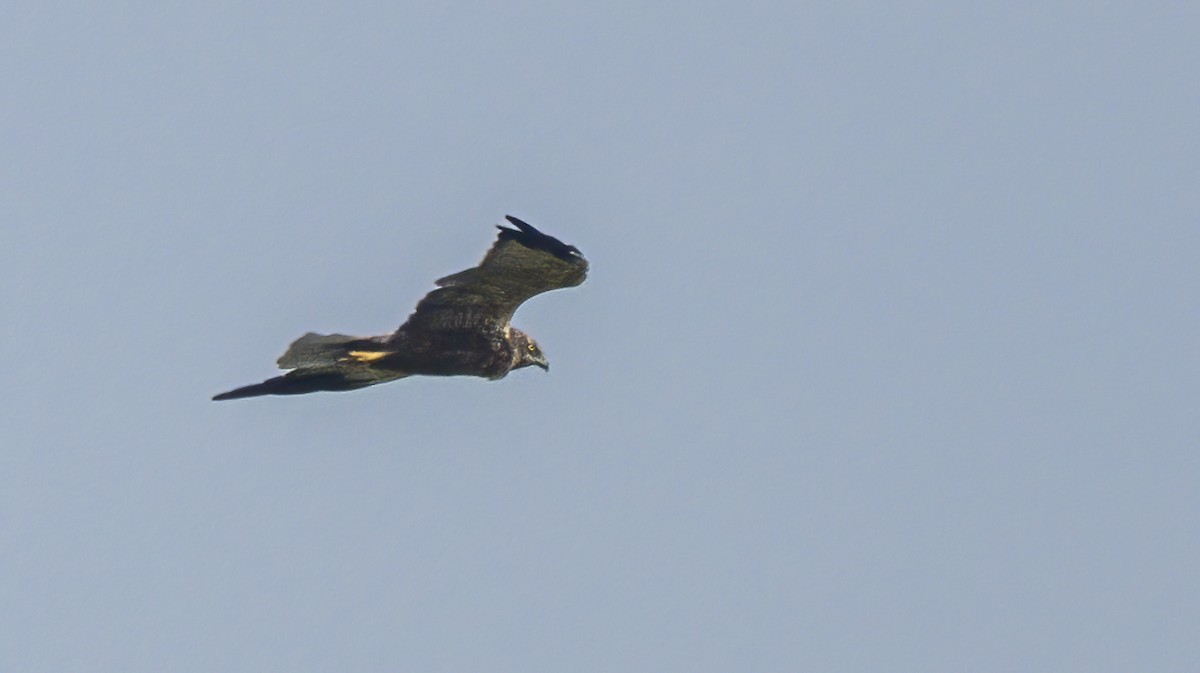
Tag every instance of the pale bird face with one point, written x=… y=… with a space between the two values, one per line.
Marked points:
x=533 y=355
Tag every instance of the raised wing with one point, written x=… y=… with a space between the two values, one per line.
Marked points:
x=522 y=263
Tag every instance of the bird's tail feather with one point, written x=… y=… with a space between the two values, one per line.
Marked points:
x=318 y=350
x=323 y=362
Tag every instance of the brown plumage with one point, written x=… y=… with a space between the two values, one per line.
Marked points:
x=460 y=329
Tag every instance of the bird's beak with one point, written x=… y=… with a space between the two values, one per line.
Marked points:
x=544 y=365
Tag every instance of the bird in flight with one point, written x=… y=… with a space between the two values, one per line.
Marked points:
x=463 y=328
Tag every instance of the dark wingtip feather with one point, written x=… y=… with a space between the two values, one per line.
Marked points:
x=292 y=384
x=528 y=236
x=245 y=391
x=523 y=225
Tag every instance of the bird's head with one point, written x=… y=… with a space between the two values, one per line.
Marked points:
x=528 y=352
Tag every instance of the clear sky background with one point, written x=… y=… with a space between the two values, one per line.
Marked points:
x=888 y=360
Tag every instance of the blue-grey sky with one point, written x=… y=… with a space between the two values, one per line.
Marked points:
x=888 y=359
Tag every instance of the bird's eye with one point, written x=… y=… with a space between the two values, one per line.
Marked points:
x=532 y=348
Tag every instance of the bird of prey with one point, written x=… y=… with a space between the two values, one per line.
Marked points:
x=460 y=329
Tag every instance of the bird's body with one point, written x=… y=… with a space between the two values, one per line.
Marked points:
x=460 y=329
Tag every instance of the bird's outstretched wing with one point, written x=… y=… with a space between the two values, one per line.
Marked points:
x=325 y=362
x=522 y=263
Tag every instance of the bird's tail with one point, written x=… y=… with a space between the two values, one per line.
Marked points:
x=318 y=350
x=322 y=362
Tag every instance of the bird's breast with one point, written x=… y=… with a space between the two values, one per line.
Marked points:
x=459 y=352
